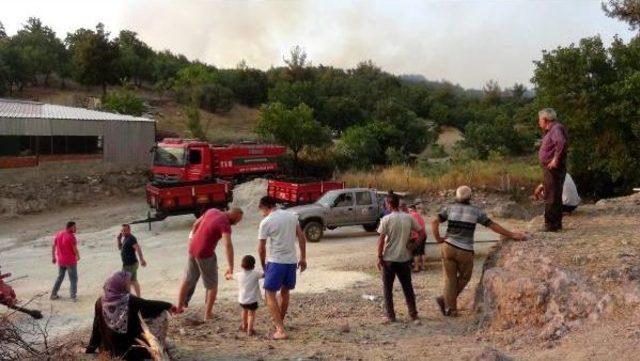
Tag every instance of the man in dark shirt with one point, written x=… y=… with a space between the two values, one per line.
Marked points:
x=553 y=159
x=128 y=246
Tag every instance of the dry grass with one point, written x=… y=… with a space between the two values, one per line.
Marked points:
x=498 y=175
x=235 y=125
x=448 y=137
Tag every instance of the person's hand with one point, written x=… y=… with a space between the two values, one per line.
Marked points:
x=380 y=264
x=539 y=192
x=439 y=239
x=175 y=310
x=143 y=263
x=553 y=164
x=302 y=264
x=518 y=236
x=228 y=275
x=53 y=260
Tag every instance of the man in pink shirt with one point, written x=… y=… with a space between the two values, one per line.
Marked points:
x=65 y=253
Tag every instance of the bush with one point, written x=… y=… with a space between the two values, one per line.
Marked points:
x=124 y=101
x=216 y=98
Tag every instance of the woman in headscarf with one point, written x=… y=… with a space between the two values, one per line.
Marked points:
x=116 y=323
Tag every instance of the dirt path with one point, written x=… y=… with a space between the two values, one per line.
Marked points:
x=26 y=251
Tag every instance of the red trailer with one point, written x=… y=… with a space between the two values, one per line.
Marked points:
x=295 y=193
x=188 y=199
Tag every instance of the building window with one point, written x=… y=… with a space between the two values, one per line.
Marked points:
x=45 y=145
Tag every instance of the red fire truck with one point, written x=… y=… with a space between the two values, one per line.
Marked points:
x=180 y=161
x=191 y=176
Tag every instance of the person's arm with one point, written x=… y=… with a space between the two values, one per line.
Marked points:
x=262 y=252
x=119 y=240
x=560 y=144
x=302 y=241
x=95 y=340
x=138 y=249
x=228 y=247
x=151 y=309
x=380 y=263
x=263 y=234
x=75 y=249
x=53 y=252
x=435 y=228
x=505 y=232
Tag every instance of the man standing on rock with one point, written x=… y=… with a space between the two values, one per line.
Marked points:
x=281 y=229
x=207 y=231
x=457 y=246
x=394 y=257
x=65 y=253
x=553 y=159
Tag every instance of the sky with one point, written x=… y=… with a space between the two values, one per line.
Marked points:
x=465 y=42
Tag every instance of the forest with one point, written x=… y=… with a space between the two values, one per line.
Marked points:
x=365 y=117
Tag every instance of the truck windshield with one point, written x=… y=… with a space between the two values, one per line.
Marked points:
x=327 y=199
x=169 y=157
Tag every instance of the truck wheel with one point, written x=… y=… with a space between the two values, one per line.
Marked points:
x=371 y=227
x=313 y=230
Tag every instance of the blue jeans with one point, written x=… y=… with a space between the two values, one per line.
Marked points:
x=73 y=278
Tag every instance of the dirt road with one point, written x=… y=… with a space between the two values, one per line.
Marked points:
x=26 y=244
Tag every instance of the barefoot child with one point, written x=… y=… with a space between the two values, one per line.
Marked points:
x=249 y=293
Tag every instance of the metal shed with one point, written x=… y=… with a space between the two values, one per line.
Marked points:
x=25 y=126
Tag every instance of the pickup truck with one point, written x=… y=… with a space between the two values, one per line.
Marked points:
x=339 y=208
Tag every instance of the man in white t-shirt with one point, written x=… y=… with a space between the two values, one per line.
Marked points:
x=280 y=229
x=570 y=197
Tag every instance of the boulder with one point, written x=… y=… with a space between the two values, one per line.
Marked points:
x=510 y=210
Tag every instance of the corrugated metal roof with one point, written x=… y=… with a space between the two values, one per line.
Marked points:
x=11 y=108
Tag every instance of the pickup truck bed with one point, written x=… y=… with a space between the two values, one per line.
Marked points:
x=293 y=193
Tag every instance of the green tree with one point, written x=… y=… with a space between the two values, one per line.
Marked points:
x=291 y=94
x=216 y=98
x=360 y=146
x=190 y=80
x=193 y=122
x=596 y=93
x=625 y=10
x=294 y=128
x=135 y=60
x=394 y=134
x=94 y=57
x=39 y=50
x=165 y=67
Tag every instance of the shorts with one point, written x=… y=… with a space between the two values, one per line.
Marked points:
x=132 y=269
x=249 y=306
x=205 y=267
x=278 y=275
x=419 y=250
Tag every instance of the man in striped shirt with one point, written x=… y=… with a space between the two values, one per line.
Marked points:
x=457 y=245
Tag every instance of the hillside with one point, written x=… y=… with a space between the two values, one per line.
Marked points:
x=235 y=125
